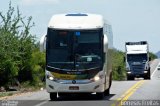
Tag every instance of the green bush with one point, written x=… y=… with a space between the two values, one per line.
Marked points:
x=20 y=57
x=152 y=56
x=118 y=65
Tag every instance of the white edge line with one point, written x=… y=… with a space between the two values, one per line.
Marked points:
x=40 y=104
x=155 y=70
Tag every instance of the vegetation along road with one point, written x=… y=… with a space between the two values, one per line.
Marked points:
x=137 y=89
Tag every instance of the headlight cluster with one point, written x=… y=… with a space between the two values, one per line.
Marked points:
x=96 y=78
x=99 y=76
x=50 y=76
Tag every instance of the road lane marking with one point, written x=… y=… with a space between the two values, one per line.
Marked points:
x=155 y=70
x=128 y=93
x=132 y=91
x=42 y=103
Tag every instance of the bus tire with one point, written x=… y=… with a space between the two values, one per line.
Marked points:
x=107 y=92
x=110 y=80
x=53 y=96
x=100 y=95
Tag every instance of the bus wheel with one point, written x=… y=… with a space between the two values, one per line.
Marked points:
x=100 y=95
x=110 y=80
x=53 y=96
x=107 y=92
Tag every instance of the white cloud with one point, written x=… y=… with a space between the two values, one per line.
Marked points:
x=38 y=2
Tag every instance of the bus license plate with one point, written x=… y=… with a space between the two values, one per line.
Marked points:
x=74 y=88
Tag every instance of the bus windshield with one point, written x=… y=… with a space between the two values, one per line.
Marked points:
x=74 y=50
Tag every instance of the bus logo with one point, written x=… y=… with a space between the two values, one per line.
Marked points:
x=73 y=81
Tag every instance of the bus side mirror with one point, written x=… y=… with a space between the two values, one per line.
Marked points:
x=43 y=43
x=149 y=58
x=105 y=44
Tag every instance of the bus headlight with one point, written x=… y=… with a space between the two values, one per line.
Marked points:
x=96 y=78
x=49 y=76
x=128 y=72
x=145 y=72
x=99 y=76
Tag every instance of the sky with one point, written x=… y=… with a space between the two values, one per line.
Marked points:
x=132 y=20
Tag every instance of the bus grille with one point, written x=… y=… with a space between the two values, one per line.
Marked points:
x=138 y=67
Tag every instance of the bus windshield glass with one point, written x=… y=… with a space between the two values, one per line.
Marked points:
x=74 y=50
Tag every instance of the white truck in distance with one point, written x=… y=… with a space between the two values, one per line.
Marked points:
x=78 y=55
x=137 y=60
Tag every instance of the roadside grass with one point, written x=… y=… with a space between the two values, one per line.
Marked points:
x=3 y=94
x=24 y=88
x=29 y=87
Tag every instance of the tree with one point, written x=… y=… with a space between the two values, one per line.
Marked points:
x=18 y=48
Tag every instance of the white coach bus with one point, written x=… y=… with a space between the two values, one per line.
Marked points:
x=78 y=55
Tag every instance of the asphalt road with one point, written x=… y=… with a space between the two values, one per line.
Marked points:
x=121 y=91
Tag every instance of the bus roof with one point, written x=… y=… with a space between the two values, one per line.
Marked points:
x=76 y=21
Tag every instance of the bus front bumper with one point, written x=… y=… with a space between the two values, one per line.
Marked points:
x=70 y=86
